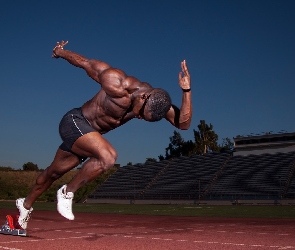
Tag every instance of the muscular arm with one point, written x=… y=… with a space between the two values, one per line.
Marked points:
x=181 y=118
x=113 y=81
x=93 y=68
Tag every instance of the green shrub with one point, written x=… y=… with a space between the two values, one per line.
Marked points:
x=17 y=183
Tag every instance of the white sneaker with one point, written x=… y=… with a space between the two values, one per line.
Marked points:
x=64 y=203
x=24 y=214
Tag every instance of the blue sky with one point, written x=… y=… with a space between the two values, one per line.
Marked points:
x=240 y=54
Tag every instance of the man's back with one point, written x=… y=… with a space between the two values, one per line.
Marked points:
x=112 y=105
x=123 y=97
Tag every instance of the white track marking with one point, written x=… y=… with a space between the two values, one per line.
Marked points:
x=9 y=248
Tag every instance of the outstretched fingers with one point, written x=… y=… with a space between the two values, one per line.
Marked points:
x=184 y=71
x=184 y=68
x=184 y=77
x=62 y=43
x=59 y=45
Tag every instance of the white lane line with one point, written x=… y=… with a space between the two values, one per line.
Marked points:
x=141 y=237
x=37 y=240
x=9 y=248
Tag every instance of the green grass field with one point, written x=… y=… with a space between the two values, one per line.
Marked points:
x=172 y=210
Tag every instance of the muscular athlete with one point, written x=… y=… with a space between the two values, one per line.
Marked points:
x=120 y=99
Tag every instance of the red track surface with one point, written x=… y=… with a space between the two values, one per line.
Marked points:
x=48 y=230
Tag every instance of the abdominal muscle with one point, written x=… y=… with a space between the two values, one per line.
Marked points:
x=104 y=114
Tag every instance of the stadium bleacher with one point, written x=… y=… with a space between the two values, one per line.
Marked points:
x=210 y=176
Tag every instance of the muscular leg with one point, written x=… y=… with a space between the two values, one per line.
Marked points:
x=62 y=163
x=102 y=157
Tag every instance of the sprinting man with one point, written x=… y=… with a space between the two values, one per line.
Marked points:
x=120 y=99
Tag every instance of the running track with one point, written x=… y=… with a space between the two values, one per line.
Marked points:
x=48 y=230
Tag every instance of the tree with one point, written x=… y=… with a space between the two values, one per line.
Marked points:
x=150 y=160
x=178 y=147
x=189 y=148
x=6 y=168
x=174 y=147
x=30 y=166
x=226 y=145
x=161 y=157
x=205 y=138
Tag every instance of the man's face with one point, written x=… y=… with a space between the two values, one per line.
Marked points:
x=143 y=112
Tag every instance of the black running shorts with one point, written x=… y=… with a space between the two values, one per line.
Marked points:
x=72 y=126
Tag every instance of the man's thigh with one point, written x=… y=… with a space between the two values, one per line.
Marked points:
x=93 y=144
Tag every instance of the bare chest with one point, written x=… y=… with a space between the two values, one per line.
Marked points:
x=107 y=113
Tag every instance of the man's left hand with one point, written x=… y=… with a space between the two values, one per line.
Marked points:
x=184 y=77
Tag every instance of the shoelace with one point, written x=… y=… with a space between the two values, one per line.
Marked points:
x=26 y=219
x=68 y=197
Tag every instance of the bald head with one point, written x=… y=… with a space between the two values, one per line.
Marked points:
x=158 y=104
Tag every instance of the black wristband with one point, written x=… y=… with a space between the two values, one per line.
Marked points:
x=186 y=90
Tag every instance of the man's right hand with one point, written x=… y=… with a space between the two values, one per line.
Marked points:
x=59 y=45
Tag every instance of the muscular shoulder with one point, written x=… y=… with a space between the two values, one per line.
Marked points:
x=116 y=82
x=112 y=76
